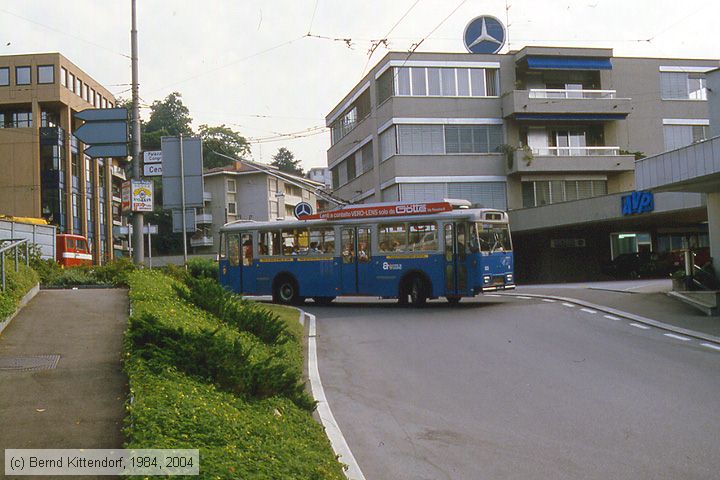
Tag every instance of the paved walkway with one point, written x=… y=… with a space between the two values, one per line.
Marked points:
x=647 y=298
x=80 y=403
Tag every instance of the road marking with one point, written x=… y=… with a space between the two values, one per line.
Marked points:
x=677 y=337
x=492 y=295
x=337 y=440
x=637 y=325
x=611 y=317
x=710 y=345
x=569 y=305
x=588 y=310
x=549 y=300
x=524 y=298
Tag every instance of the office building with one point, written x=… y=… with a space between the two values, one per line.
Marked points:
x=550 y=134
x=44 y=171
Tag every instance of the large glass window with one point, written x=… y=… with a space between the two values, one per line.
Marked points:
x=683 y=86
x=678 y=136
x=4 y=76
x=473 y=138
x=422 y=237
x=545 y=192
x=420 y=139
x=392 y=237
x=63 y=76
x=384 y=86
x=46 y=74
x=388 y=146
x=447 y=82
x=23 y=75
x=367 y=157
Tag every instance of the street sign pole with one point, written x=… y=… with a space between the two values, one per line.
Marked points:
x=139 y=252
x=182 y=195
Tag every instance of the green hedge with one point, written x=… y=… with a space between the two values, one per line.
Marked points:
x=17 y=284
x=199 y=382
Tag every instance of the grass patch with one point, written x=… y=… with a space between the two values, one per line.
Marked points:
x=198 y=381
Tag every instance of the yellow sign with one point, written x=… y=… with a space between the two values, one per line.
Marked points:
x=408 y=255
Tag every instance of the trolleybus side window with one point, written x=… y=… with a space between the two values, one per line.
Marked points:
x=322 y=241
x=270 y=243
x=223 y=246
x=461 y=239
x=294 y=241
x=422 y=237
x=392 y=237
x=234 y=249
x=449 y=242
x=247 y=249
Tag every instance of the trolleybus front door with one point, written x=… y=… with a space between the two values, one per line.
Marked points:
x=455 y=259
x=355 y=257
x=247 y=274
x=233 y=275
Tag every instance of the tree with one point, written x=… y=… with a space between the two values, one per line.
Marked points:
x=285 y=161
x=168 y=117
x=223 y=140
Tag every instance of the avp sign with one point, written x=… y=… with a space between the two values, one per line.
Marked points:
x=637 y=202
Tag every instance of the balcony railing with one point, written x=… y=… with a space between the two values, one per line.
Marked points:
x=575 y=151
x=203 y=218
x=570 y=94
x=202 y=241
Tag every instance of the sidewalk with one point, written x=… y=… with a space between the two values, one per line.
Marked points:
x=644 y=298
x=80 y=403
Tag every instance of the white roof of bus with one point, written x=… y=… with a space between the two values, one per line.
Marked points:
x=476 y=213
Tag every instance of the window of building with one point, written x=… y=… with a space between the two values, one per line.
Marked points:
x=335 y=172
x=545 y=192
x=447 y=82
x=342 y=173
x=231 y=185
x=23 y=75
x=351 y=167
x=4 y=76
x=46 y=74
x=63 y=76
x=384 y=85
x=49 y=119
x=19 y=120
x=420 y=139
x=678 y=136
x=79 y=87
x=358 y=111
x=366 y=152
x=71 y=82
x=232 y=208
x=473 y=138
x=683 y=86
x=388 y=144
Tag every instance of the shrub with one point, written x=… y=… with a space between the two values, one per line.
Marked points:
x=115 y=272
x=49 y=270
x=203 y=268
x=17 y=284
x=209 y=295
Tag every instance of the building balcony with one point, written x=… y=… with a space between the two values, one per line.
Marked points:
x=571 y=159
x=118 y=172
x=557 y=104
x=207 y=197
x=201 y=241
x=203 y=218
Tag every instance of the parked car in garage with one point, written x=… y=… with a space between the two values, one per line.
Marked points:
x=641 y=264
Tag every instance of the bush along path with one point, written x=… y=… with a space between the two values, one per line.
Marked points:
x=225 y=378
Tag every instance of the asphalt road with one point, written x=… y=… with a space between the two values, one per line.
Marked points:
x=511 y=388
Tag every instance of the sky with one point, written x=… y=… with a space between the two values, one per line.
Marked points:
x=273 y=69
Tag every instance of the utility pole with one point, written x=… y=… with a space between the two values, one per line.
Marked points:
x=139 y=252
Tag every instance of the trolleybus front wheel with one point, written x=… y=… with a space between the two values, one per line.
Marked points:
x=286 y=291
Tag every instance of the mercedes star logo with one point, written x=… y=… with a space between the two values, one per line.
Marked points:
x=484 y=34
x=303 y=209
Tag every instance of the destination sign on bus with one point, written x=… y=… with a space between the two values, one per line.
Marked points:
x=381 y=211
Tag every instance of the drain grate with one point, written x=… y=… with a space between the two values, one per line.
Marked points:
x=28 y=364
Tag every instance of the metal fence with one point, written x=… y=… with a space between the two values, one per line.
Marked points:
x=8 y=245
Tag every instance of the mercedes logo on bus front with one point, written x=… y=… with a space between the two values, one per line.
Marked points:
x=303 y=209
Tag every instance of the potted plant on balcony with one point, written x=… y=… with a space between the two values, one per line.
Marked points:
x=509 y=151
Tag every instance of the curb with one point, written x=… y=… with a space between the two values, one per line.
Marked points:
x=23 y=301
x=630 y=316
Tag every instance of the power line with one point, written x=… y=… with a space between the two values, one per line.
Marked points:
x=61 y=32
x=374 y=45
x=313 y=17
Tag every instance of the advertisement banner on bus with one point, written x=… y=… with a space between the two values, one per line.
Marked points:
x=382 y=211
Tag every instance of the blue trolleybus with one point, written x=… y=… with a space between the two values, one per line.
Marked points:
x=409 y=251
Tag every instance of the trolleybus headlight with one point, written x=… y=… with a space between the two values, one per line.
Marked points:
x=487 y=278
x=509 y=278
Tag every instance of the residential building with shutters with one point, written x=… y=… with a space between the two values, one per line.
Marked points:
x=44 y=171
x=532 y=131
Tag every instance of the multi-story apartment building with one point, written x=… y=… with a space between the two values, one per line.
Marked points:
x=45 y=173
x=244 y=192
x=520 y=131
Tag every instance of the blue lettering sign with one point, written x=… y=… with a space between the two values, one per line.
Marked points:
x=637 y=202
